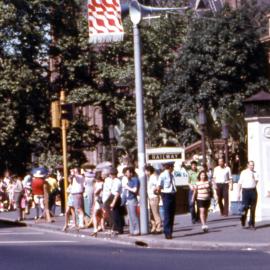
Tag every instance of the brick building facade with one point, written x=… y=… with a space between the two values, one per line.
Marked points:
x=94 y=116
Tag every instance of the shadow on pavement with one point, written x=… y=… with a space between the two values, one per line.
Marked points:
x=224 y=219
x=226 y=226
x=262 y=226
x=197 y=233
x=183 y=230
x=7 y=223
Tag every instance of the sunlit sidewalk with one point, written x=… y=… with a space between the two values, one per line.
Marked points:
x=224 y=232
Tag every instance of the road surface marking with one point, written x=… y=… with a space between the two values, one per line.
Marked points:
x=21 y=233
x=37 y=242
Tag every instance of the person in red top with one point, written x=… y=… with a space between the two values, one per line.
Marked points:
x=37 y=186
x=38 y=181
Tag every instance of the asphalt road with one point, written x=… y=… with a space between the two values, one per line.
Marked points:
x=29 y=249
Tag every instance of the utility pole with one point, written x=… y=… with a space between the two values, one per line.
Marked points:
x=136 y=16
x=140 y=129
x=137 y=12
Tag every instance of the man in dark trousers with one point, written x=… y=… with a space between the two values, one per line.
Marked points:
x=222 y=177
x=167 y=187
x=247 y=183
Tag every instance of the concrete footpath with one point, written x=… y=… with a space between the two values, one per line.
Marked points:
x=225 y=233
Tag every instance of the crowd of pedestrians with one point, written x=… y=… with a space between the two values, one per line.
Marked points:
x=38 y=190
x=108 y=199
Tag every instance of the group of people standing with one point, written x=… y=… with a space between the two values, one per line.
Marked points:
x=104 y=198
x=116 y=194
x=11 y=193
x=38 y=189
x=45 y=188
x=106 y=201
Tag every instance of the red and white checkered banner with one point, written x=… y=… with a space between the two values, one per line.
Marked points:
x=105 y=23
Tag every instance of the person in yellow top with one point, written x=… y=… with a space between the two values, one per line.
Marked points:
x=53 y=191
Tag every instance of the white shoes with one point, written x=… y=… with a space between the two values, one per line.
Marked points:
x=205 y=228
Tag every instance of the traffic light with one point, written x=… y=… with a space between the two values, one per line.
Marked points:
x=67 y=111
x=55 y=114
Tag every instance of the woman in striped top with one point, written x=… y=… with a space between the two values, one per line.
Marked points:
x=203 y=196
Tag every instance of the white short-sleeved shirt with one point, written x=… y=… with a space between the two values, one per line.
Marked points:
x=248 y=179
x=222 y=175
x=167 y=182
x=18 y=186
x=152 y=185
x=116 y=186
x=77 y=185
x=107 y=189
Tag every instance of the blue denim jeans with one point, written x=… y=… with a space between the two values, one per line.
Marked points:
x=134 y=225
x=88 y=204
x=235 y=178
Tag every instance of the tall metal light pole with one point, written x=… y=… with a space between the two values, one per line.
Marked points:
x=136 y=16
x=137 y=12
x=202 y=123
x=225 y=137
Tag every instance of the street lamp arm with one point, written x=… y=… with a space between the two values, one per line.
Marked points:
x=148 y=10
x=137 y=11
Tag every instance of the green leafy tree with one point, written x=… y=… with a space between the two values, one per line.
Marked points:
x=28 y=31
x=34 y=33
x=23 y=88
x=221 y=63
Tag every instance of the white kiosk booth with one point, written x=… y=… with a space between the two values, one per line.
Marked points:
x=257 y=115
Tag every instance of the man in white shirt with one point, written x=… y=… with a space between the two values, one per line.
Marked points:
x=222 y=177
x=167 y=187
x=247 y=183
